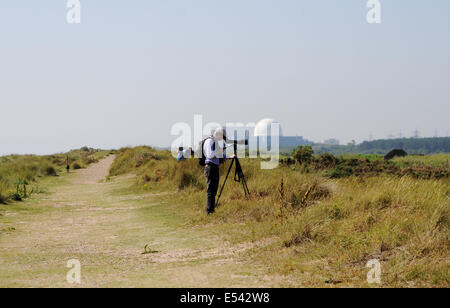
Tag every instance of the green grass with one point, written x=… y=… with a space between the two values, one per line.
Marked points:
x=107 y=226
x=328 y=228
x=299 y=225
x=20 y=175
x=433 y=160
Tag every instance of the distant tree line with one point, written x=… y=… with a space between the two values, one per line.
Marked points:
x=411 y=145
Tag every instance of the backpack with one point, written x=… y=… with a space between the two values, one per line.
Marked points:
x=201 y=156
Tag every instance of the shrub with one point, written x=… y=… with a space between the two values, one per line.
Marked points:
x=338 y=172
x=287 y=161
x=4 y=191
x=76 y=166
x=384 y=201
x=303 y=154
x=50 y=171
x=16 y=197
x=326 y=160
x=3 y=198
x=187 y=178
x=305 y=235
x=128 y=159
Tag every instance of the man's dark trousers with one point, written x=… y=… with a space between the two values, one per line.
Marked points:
x=212 y=184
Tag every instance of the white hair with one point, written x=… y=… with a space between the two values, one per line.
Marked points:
x=220 y=132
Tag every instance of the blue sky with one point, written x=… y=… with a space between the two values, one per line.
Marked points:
x=132 y=69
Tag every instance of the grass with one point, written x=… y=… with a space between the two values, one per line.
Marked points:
x=433 y=160
x=298 y=228
x=20 y=174
x=324 y=227
x=121 y=239
x=421 y=167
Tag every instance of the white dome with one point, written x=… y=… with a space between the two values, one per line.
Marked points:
x=263 y=127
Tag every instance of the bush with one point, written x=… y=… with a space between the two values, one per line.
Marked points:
x=3 y=198
x=187 y=174
x=16 y=197
x=128 y=159
x=50 y=171
x=303 y=154
x=4 y=191
x=338 y=172
x=76 y=166
x=326 y=160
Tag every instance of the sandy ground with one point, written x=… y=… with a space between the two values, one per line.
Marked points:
x=95 y=173
x=85 y=218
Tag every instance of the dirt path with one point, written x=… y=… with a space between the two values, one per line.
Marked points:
x=95 y=173
x=85 y=217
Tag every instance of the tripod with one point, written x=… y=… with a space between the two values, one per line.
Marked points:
x=238 y=175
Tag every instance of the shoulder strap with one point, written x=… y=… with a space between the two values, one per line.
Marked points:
x=204 y=140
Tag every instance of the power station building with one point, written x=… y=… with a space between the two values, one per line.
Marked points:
x=263 y=131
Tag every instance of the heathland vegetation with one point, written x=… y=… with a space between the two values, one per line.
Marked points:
x=419 y=146
x=315 y=220
x=20 y=174
x=320 y=214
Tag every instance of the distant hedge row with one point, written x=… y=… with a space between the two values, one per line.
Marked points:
x=382 y=146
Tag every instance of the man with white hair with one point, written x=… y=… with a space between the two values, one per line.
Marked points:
x=213 y=151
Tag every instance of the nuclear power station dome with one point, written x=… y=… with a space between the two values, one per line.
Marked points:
x=263 y=128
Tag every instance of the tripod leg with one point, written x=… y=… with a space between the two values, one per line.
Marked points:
x=244 y=185
x=246 y=190
x=224 y=182
x=240 y=177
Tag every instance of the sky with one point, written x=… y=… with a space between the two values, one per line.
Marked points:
x=132 y=69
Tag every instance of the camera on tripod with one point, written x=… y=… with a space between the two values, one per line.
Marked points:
x=235 y=143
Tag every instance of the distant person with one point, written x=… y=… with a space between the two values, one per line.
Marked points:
x=183 y=154
x=214 y=156
x=180 y=155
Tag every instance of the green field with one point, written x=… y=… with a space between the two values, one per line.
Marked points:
x=138 y=219
x=317 y=224
x=20 y=174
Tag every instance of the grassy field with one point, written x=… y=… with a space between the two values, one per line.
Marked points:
x=138 y=219
x=20 y=174
x=326 y=227
x=121 y=236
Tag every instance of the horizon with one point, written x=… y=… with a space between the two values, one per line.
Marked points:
x=128 y=72
x=168 y=147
